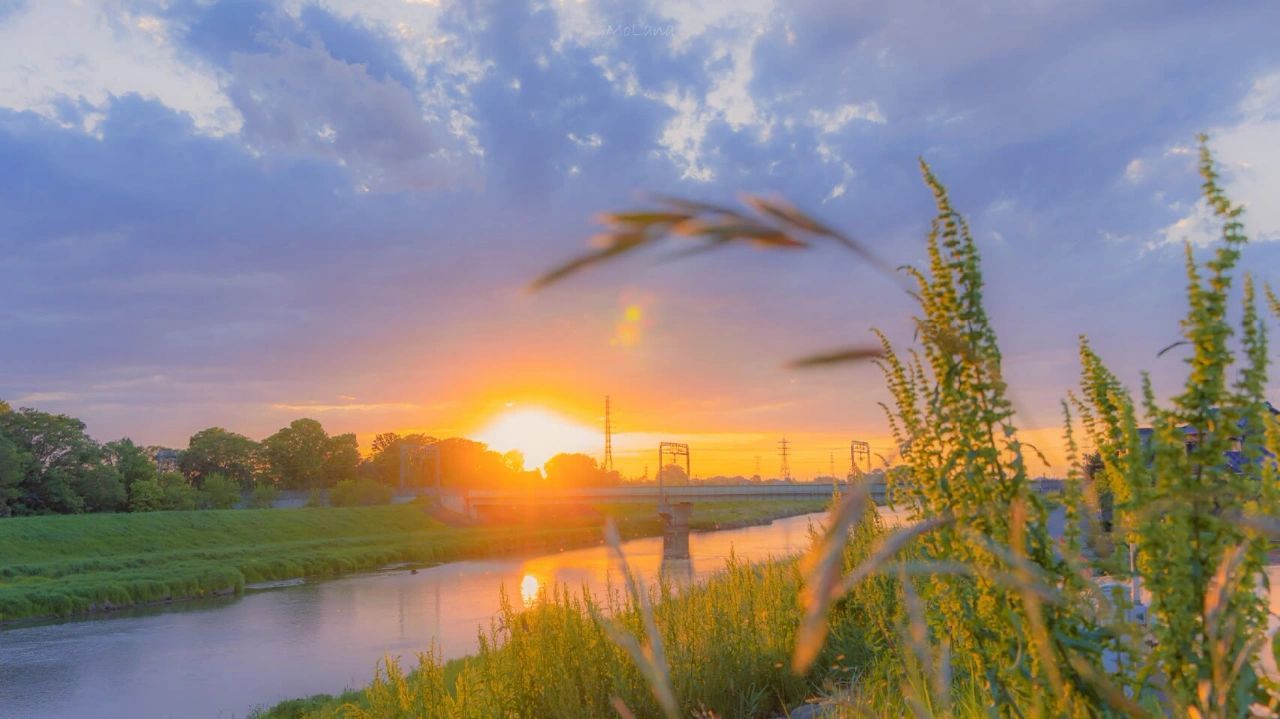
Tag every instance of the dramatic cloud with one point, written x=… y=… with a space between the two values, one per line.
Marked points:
x=222 y=212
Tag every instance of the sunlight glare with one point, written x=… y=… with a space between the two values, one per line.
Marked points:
x=539 y=435
x=529 y=589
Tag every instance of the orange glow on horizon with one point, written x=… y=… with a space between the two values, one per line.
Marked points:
x=539 y=435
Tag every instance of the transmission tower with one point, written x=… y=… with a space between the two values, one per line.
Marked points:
x=783 y=446
x=859 y=450
x=608 y=437
x=674 y=451
x=831 y=458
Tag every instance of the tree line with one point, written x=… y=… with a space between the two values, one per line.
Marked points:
x=50 y=465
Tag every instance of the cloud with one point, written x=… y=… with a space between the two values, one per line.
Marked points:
x=101 y=50
x=835 y=120
x=184 y=195
x=42 y=398
x=323 y=408
x=303 y=100
x=10 y=8
x=1200 y=228
x=1247 y=153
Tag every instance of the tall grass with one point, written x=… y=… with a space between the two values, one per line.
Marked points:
x=66 y=565
x=727 y=645
x=981 y=610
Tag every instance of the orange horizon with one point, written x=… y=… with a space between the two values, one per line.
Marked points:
x=812 y=452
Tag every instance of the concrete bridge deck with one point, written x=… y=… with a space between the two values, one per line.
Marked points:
x=649 y=494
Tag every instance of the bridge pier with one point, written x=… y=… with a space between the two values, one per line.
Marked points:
x=677 y=572
x=675 y=525
x=458 y=503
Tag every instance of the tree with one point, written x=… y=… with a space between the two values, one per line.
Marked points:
x=217 y=451
x=61 y=460
x=303 y=456
x=573 y=470
x=296 y=454
x=146 y=495
x=130 y=461
x=384 y=459
x=263 y=496
x=100 y=488
x=342 y=457
x=178 y=492
x=467 y=463
x=14 y=463
x=514 y=460
x=218 y=492
x=383 y=442
x=673 y=475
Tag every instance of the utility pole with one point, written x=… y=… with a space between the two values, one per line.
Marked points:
x=783 y=447
x=758 y=468
x=608 y=438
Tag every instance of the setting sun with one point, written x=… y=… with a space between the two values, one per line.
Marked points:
x=539 y=435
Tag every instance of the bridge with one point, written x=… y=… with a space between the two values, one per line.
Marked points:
x=674 y=503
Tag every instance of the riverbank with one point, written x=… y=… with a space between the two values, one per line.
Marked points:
x=728 y=643
x=62 y=566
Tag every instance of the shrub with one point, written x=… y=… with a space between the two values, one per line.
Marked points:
x=146 y=495
x=361 y=493
x=178 y=492
x=219 y=492
x=263 y=496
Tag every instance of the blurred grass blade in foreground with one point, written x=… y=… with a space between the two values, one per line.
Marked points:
x=821 y=570
x=774 y=224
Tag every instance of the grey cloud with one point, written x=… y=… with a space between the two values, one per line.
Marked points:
x=303 y=100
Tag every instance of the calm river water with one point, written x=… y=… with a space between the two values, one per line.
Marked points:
x=222 y=658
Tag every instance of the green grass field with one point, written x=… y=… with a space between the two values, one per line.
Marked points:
x=57 y=566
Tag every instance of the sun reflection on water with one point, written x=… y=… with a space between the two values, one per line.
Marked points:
x=529 y=589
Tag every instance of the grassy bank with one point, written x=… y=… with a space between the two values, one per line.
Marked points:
x=58 y=566
x=728 y=644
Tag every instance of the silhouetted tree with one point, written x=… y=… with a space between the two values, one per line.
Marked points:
x=674 y=475
x=467 y=463
x=574 y=470
x=383 y=463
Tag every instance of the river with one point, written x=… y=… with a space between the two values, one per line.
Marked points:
x=222 y=658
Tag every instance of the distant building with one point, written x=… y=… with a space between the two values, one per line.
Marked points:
x=166 y=459
x=1235 y=456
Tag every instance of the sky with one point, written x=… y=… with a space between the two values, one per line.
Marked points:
x=240 y=213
